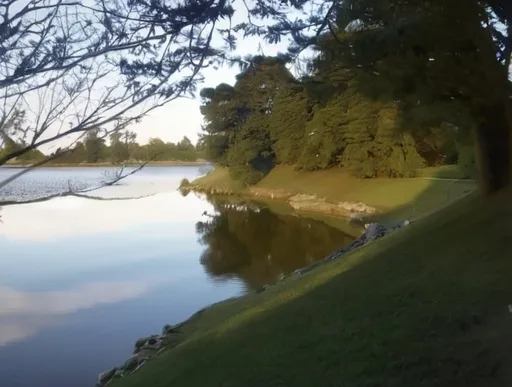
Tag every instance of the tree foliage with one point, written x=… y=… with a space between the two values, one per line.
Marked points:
x=424 y=52
x=122 y=148
x=75 y=67
x=237 y=118
x=439 y=68
x=326 y=120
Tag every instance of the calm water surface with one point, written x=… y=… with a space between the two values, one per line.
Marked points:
x=81 y=280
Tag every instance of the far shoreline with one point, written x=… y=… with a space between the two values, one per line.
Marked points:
x=175 y=163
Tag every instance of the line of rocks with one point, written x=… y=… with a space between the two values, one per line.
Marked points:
x=144 y=349
x=148 y=347
x=185 y=189
x=151 y=346
x=373 y=231
x=311 y=203
x=299 y=202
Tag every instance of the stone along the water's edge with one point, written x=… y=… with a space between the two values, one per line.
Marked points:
x=147 y=347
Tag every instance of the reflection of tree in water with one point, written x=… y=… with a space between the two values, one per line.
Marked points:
x=257 y=245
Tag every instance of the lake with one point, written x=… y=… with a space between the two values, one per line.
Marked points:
x=82 y=279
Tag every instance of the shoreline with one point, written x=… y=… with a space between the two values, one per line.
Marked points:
x=391 y=301
x=302 y=203
x=377 y=225
x=106 y=164
x=151 y=347
x=335 y=193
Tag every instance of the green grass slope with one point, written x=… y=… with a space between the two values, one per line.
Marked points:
x=426 y=306
x=219 y=179
x=413 y=196
x=396 y=199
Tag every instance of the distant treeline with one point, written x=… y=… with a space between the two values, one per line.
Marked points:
x=342 y=115
x=121 y=148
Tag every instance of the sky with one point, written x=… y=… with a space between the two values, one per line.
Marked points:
x=170 y=122
x=182 y=117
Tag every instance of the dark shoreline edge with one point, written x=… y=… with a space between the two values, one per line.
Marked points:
x=146 y=348
x=99 y=165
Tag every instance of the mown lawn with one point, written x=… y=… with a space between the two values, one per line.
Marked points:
x=219 y=178
x=397 y=199
x=426 y=306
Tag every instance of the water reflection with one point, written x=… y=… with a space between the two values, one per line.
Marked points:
x=259 y=246
x=72 y=216
x=80 y=279
x=23 y=313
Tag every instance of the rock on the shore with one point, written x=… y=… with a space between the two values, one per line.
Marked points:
x=146 y=341
x=150 y=346
x=105 y=377
x=131 y=364
x=310 y=203
x=374 y=231
x=144 y=349
x=261 y=288
x=357 y=208
x=277 y=194
x=167 y=329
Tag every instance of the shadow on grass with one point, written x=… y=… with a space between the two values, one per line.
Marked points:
x=426 y=306
x=439 y=193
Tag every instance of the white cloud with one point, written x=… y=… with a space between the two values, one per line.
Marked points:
x=23 y=314
x=74 y=217
x=65 y=217
x=16 y=331
x=15 y=303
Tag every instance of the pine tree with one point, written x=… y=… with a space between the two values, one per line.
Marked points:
x=287 y=123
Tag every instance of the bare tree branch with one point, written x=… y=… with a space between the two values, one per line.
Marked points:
x=119 y=176
x=30 y=168
x=72 y=67
x=73 y=194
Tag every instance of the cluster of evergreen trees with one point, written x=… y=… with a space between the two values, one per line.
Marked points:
x=364 y=119
x=122 y=147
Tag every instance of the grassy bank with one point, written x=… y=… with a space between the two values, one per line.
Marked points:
x=422 y=307
x=395 y=199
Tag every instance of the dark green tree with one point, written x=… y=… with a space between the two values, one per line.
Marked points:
x=119 y=151
x=185 y=145
x=237 y=118
x=222 y=118
x=287 y=124
x=94 y=146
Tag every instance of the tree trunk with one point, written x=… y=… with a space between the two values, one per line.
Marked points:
x=493 y=148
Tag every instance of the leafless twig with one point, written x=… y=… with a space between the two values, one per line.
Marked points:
x=80 y=193
x=72 y=67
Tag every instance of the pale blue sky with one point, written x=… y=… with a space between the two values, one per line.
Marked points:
x=171 y=122
x=182 y=117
